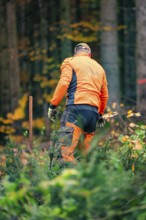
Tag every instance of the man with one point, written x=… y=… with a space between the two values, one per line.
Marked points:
x=84 y=82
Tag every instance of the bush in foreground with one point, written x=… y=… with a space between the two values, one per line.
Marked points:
x=108 y=184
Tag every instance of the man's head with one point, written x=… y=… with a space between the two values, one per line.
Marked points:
x=82 y=47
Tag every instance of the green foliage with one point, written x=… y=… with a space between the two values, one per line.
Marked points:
x=102 y=185
x=12 y=164
x=133 y=150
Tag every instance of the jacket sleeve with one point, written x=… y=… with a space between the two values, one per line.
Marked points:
x=64 y=82
x=104 y=95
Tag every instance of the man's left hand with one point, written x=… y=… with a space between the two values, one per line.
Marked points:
x=100 y=121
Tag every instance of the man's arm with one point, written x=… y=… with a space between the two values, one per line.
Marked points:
x=104 y=96
x=62 y=86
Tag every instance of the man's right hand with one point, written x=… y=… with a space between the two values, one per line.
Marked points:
x=52 y=112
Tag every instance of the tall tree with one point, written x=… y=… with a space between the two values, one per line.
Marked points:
x=53 y=18
x=44 y=33
x=13 y=54
x=66 y=44
x=141 y=54
x=129 y=52
x=109 y=47
x=4 y=73
x=23 y=42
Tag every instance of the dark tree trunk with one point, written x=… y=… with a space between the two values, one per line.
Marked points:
x=141 y=55
x=4 y=60
x=129 y=53
x=13 y=54
x=109 y=48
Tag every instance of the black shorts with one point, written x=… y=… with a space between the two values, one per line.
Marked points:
x=83 y=116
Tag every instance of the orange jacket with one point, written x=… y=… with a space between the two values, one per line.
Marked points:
x=84 y=81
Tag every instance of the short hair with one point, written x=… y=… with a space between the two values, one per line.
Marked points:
x=82 y=47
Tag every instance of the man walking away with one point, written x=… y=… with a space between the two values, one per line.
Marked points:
x=83 y=80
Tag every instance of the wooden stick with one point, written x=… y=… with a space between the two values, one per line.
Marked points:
x=30 y=121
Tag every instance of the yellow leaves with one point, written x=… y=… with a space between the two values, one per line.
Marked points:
x=85 y=24
x=83 y=31
x=5 y=121
x=108 y=28
x=124 y=138
x=53 y=82
x=25 y=125
x=137 y=114
x=130 y=113
x=114 y=105
x=19 y=112
x=44 y=82
x=114 y=133
x=23 y=100
x=132 y=125
x=110 y=115
x=111 y=28
x=37 y=54
x=79 y=36
x=37 y=123
x=7 y=129
x=136 y=145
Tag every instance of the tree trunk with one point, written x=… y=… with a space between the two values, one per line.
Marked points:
x=53 y=18
x=129 y=53
x=4 y=73
x=13 y=54
x=109 y=48
x=66 y=45
x=23 y=45
x=44 y=34
x=141 y=55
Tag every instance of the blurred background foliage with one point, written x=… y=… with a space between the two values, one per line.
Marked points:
x=36 y=36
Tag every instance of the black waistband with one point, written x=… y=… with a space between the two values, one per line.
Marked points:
x=85 y=107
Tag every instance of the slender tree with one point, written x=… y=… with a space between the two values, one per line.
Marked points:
x=129 y=52
x=13 y=54
x=23 y=42
x=44 y=33
x=4 y=73
x=53 y=21
x=66 y=45
x=109 y=47
x=141 y=54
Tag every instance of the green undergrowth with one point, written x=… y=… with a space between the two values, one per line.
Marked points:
x=108 y=184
